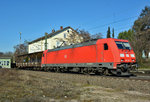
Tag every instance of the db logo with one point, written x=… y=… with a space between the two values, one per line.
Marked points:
x=65 y=56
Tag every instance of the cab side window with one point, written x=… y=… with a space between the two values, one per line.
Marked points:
x=43 y=55
x=105 y=46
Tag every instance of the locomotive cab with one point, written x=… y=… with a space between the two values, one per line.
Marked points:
x=127 y=60
x=116 y=56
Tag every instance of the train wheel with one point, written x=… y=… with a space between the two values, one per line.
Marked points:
x=39 y=69
x=35 y=68
x=58 y=70
x=97 y=73
x=53 y=69
x=105 y=72
x=62 y=70
x=86 y=71
x=46 y=69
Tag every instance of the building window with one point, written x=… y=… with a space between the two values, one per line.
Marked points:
x=105 y=46
x=4 y=62
x=64 y=35
x=57 y=44
x=7 y=63
x=65 y=43
x=68 y=31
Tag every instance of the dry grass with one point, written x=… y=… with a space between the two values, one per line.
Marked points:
x=9 y=74
x=22 y=86
x=30 y=86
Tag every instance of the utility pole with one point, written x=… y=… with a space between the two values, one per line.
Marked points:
x=46 y=41
x=20 y=38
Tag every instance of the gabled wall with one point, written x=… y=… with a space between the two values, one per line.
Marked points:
x=52 y=42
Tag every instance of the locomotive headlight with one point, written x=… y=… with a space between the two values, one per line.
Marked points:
x=133 y=60
x=122 y=60
x=132 y=55
x=127 y=55
x=121 y=55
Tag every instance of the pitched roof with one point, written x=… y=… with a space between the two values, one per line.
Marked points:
x=5 y=57
x=51 y=34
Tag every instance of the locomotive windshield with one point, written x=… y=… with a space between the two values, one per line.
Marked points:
x=123 y=45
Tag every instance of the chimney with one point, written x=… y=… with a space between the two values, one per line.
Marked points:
x=53 y=30
x=61 y=27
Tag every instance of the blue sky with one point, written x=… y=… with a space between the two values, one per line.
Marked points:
x=35 y=17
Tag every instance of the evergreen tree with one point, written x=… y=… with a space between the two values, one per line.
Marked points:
x=113 y=33
x=108 y=33
x=128 y=35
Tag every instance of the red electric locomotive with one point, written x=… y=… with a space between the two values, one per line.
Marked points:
x=102 y=56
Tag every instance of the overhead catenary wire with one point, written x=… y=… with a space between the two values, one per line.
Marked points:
x=122 y=28
x=113 y=22
x=104 y=17
x=121 y=20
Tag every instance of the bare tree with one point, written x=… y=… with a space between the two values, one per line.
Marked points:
x=78 y=36
x=97 y=36
x=85 y=35
x=20 y=49
x=1 y=54
x=6 y=54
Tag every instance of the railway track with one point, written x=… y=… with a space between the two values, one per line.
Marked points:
x=138 y=77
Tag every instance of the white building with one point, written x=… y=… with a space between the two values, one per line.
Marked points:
x=5 y=62
x=53 y=41
x=143 y=55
